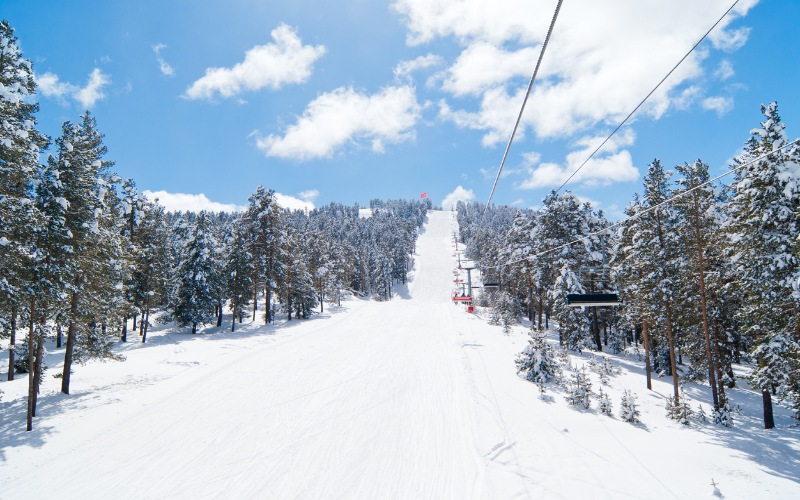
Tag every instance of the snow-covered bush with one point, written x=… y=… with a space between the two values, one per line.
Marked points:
x=505 y=311
x=538 y=362
x=603 y=367
x=604 y=403
x=680 y=410
x=21 y=357
x=579 y=389
x=629 y=411
x=724 y=415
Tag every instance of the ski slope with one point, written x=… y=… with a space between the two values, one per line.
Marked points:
x=411 y=398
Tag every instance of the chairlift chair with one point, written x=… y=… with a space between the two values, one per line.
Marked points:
x=594 y=275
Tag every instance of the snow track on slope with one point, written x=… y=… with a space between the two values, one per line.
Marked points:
x=411 y=398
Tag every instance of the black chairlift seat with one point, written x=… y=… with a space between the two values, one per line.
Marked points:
x=593 y=299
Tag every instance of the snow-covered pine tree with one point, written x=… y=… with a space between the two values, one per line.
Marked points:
x=562 y=220
x=699 y=234
x=538 y=362
x=630 y=268
x=264 y=221
x=762 y=231
x=194 y=297
x=523 y=276
x=658 y=248
x=151 y=262
x=604 y=403
x=628 y=409
x=82 y=175
x=679 y=410
x=20 y=145
x=579 y=389
x=295 y=286
x=505 y=310
x=238 y=271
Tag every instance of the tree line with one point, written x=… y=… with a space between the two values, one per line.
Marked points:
x=709 y=275
x=83 y=254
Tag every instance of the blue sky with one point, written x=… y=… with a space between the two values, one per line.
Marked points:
x=357 y=99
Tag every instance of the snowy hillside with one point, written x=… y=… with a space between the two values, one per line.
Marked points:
x=410 y=398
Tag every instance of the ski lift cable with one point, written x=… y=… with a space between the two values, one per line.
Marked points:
x=643 y=100
x=649 y=209
x=519 y=117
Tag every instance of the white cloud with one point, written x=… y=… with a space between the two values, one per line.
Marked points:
x=719 y=104
x=293 y=203
x=604 y=57
x=495 y=21
x=729 y=40
x=724 y=70
x=404 y=69
x=458 y=194
x=183 y=202
x=483 y=66
x=345 y=116
x=611 y=164
x=175 y=202
x=51 y=86
x=273 y=65
x=163 y=65
x=93 y=91
x=309 y=195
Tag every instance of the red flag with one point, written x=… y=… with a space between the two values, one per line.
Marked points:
x=423 y=195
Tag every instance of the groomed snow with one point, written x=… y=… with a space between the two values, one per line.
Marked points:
x=412 y=398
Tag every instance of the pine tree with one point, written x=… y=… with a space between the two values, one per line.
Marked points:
x=265 y=223
x=538 y=362
x=659 y=249
x=631 y=267
x=579 y=389
x=629 y=411
x=762 y=232
x=20 y=145
x=238 y=271
x=83 y=176
x=604 y=403
x=194 y=296
x=699 y=235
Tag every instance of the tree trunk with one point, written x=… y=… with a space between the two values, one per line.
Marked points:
x=134 y=320
x=125 y=329
x=146 y=320
x=255 y=298
x=31 y=365
x=267 y=298
x=769 y=421
x=12 y=342
x=37 y=365
x=712 y=378
x=596 y=330
x=541 y=311
x=219 y=317
x=531 y=314
x=233 y=316
x=194 y=328
x=73 y=318
x=673 y=364
x=646 y=342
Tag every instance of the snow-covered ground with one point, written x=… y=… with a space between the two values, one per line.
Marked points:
x=412 y=398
